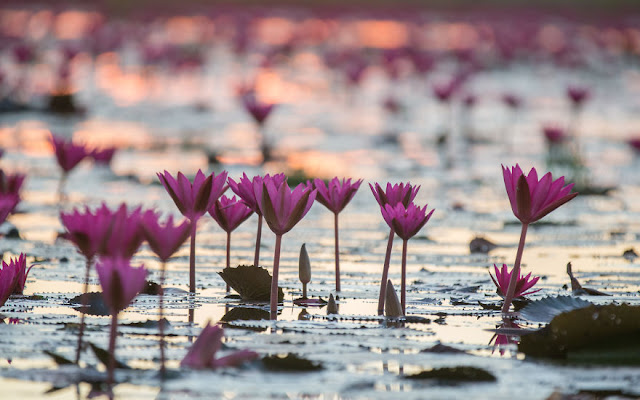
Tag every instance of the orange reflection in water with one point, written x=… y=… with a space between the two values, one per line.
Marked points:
x=382 y=33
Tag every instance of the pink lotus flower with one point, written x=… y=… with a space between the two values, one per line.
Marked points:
x=405 y=222
x=8 y=280
x=120 y=282
x=103 y=156
x=202 y=353
x=164 y=240
x=88 y=230
x=394 y=194
x=67 y=153
x=282 y=208
x=531 y=199
x=512 y=101
x=553 y=134
x=335 y=196
x=259 y=110
x=634 y=143
x=503 y=277
x=229 y=213
x=193 y=200
x=8 y=203
x=578 y=95
x=126 y=234
x=11 y=183
x=445 y=91
x=20 y=265
x=247 y=189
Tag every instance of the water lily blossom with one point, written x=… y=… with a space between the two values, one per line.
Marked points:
x=8 y=280
x=531 y=199
x=8 y=203
x=103 y=156
x=503 y=277
x=393 y=194
x=282 y=209
x=20 y=265
x=405 y=222
x=120 y=284
x=11 y=183
x=68 y=155
x=194 y=199
x=335 y=195
x=229 y=213
x=202 y=354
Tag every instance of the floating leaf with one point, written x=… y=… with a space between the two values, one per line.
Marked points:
x=245 y=314
x=150 y=323
x=151 y=288
x=578 y=289
x=606 y=334
x=252 y=283
x=481 y=245
x=290 y=363
x=103 y=356
x=306 y=302
x=95 y=304
x=630 y=255
x=440 y=348
x=452 y=375
x=545 y=309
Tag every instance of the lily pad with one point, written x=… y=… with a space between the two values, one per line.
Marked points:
x=252 y=283
x=481 y=245
x=545 y=309
x=453 y=375
x=605 y=334
x=95 y=304
x=290 y=363
x=245 y=314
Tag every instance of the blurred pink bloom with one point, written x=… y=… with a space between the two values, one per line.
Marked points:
x=469 y=100
x=503 y=277
x=194 y=199
x=246 y=188
x=406 y=222
x=229 y=213
x=257 y=109
x=399 y=193
x=202 y=353
x=23 y=53
x=336 y=194
x=103 y=156
x=125 y=235
x=20 y=266
x=8 y=280
x=578 y=95
x=531 y=199
x=8 y=203
x=444 y=91
x=89 y=231
x=554 y=134
x=120 y=282
x=11 y=183
x=67 y=153
x=512 y=101
x=634 y=143
x=282 y=207
x=164 y=240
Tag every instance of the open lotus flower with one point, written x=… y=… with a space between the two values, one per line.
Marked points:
x=8 y=203
x=229 y=213
x=503 y=277
x=126 y=234
x=282 y=208
x=103 y=156
x=393 y=194
x=68 y=155
x=193 y=200
x=335 y=196
x=20 y=265
x=202 y=353
x=405 y=222
x=532 y=198
x=8 y=280
x=120 y=284
x=88 y=230
x=246 y=189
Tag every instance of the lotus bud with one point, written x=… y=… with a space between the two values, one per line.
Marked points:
x=332 y=307
x=392 y=307
x=304 y=269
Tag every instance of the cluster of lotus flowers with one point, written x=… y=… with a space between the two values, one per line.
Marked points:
x=110 y=238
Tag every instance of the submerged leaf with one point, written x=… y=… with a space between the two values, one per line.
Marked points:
x=610 y=334
x=245 y=314
x=58 y=359
x=455 y=375
x=252 y=283
x=545 y=309
x=290 y=363
x=95 y=304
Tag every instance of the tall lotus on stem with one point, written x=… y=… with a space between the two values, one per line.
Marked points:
x=246 y=189
x=335 y=196
x=259 y=111
x=68 y=155
x=405 y=222
x=393 y=194
x=282 y=208
x=531 y=199
x=164 y=241
x=120 y=284
x=194 y=200
x=229 y=213
x=89 y=232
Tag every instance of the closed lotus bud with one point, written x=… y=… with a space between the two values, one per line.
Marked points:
x=304 y=265
x=332 y=307
x=392 y=307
